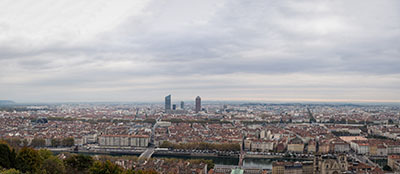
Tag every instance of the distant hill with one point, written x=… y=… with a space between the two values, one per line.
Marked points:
x=6 y=102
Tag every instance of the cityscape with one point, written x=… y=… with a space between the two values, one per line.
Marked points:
x=200 y=87
x=221 y=137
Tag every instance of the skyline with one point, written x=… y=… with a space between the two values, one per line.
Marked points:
x=140 y=51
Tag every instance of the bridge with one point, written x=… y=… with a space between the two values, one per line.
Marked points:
x=147 y=154
x=150 y=150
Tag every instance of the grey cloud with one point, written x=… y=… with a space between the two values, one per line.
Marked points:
x=175 y=40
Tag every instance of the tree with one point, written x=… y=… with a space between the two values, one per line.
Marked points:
x=387 y=168
x=7 y=156
x=10 y=171
x=105 y=168
x=53 y=165
x=25 y=142
x=68 y=142
x=78 y=163
x=55 y=142
x=44 y=154
x=38 y=142
x=28 y=160
x=13 y=142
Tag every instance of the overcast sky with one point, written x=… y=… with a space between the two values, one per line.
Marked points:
x=258 y=50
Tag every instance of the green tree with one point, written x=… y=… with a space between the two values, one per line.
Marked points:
x=105 y=168
x=55 y=142
x=68 y=142
x=28 y=160
x=38 y=142
x=7 y=156
x=53 y=165
x=13 y=142
x=10 y=171
x=78 y=163
x=44 y=153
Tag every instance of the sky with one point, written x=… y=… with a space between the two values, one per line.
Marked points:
x=226 y=50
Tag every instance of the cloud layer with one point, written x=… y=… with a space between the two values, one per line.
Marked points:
x=221 y=50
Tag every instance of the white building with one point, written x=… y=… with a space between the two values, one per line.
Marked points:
x=124 y=140
x=361 y=147
x=262 y=145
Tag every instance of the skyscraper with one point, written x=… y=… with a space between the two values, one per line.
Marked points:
x=182 y=105
x=174 y=107
x=168 y=103
x=198 y=104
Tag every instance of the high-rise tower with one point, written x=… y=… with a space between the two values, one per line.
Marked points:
x=168 y=103
x=198 y=104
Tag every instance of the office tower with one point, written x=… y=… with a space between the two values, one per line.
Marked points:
x=198 y=104
x=174 y=107
x=182 y=105
x=168 y=103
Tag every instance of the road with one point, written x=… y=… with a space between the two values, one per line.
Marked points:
x=363 y=159
x=150 y=150
x=147 y=154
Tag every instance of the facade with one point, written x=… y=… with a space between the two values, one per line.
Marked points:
x=124 y=140
x=229 y=169
x=331 y=164
x=296 y=168
x=323 y=147
x=168 y=103
x=393 y=148
x=296 y=145
x=182 y=105
x=312 y=147
x=340 y=147
x=394 y=162
x=174 y=107
x=262 y=146
x=198 y=104
x=381 y=150
x=360 y=146
x=89 y=139
x=278 y=168
x=306 y=167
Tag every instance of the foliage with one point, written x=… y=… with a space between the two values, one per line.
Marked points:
x=387 y=168
x=38 y=142
x=202 y=146
x=78 y=163
x=55 y=142
x=343 y=133
x=211 y=121
x=10 y=171
x=68 y=142
x=45 y=154
x=53 y=165
x=28 y=160
x=378 y=137
x=210 y=163
x=7 y=156
x=105 y=168
x=13 y=142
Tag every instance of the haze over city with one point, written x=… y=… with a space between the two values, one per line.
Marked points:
x=140 y=51
x=200 y=86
